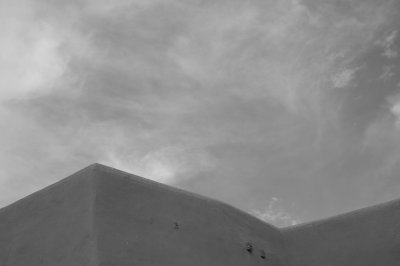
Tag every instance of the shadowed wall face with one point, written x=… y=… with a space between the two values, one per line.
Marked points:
x=369 y=237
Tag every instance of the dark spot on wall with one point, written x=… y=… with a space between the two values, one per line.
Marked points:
x=176 y=225
x=249 y=247
x=262 y=254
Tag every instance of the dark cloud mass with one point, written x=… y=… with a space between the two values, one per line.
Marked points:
x=289 y=110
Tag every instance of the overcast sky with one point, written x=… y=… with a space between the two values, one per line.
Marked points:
x=287 y=109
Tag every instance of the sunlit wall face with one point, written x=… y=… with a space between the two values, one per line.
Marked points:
x=287 y=109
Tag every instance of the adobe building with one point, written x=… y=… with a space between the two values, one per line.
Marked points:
x=103 y=216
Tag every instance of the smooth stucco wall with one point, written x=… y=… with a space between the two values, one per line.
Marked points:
x=367 y=237
x=52 y=227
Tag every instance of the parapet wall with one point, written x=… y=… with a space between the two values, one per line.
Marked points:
x=367 y=237
x=102 y=216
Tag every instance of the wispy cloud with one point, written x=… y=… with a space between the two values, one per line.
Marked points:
x=343 y=78
x=388 y=45
x=167 y=165
x=276 y=214
x=29 y=56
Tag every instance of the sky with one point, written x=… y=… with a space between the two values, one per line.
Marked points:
x=286 y=109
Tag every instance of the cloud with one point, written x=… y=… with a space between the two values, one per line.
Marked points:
x=28 y=52
x=343 y=78
x=276 y=215
x=166 y=165
x=388 y=45
x=395 y=109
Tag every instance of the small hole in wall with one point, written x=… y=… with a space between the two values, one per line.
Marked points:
x=262 y=254
x=176 y=225
x=249 y=247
